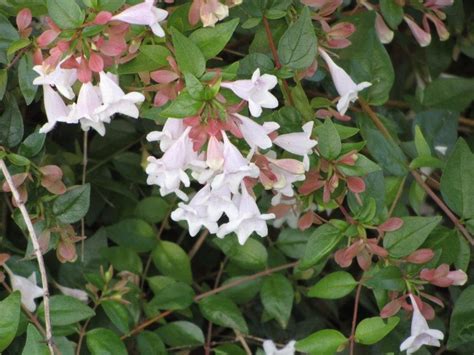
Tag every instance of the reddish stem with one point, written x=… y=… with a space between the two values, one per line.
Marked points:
x=354 y=317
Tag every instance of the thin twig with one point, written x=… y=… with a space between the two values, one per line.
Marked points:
x=84 y=173
x=243 y=342
x=199 y=297
x=354 y=317
x=198 y=244
x=37 y=250
x=82 y=332
x=397 y=197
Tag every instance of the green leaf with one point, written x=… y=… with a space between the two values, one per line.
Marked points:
x=392 y=12
x=426 y=161
x=253 y=61
x=149 y=343
x=277 y=298
x=292 y=242
x=118 y=314
x=323 y=342
x=250 y=256
x=133 y=233
x=10 y=309
x=101 y=341
x=375 y=68
x=410 y=236
x=25 y=78
x=454 y=94
x=194 y=86
x=153 y=209
x=65 y=13
x=35 y=343
x=422 y=146
x=171 y=260
x=150 y=58
x=457 y=187
x=32 y=145
x=176 y=296
x=8 y=34
x=73 y=205
x=222 y=311
x=3 y=82
x=298 y=45
x=66 y=310
x=461 y=326
x=188 y=55
x=329 y=142
x=320 y=244
x=123 y=259
x=183 y=106
x=333 y=286
x=388 y=278
x=11 y=123
x=212 y=40
x=372 y=330
x=243 y=292
x=181 y=333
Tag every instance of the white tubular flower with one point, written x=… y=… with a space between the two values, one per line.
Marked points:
x=115 y=100
x=235 y=168
x=144 y=14
x=255 y=91
x=270 y=348
x=27 y=287
x=348 y=90
x=84 y=111
x=168 y=172
x=56 y=109
x=73 y=292
x=61 y=79
x=254 y=134
x=421 y=334
x=299 y=143
x=287 y=171
x=212 y=11
x=247 y=221
x=172 y=130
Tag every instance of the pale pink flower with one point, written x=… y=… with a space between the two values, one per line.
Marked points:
x=254 y=134
x=346 y=87
x=384 y=33
x=212 y=11
x=458 y=277
x=255 y=91
x=422 y=37
x=27 y=287
x=61 y=79
x=421 y=334
x=235 y=168
x=248 y=220
x=84 y=111
x=73 y=292
x=172 y=130
x=270 y=348
x=144 y=14
x=115 y=100
x=56 y=109
x=298 y=143
x=214 y=154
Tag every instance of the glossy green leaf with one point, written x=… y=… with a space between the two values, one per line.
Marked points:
x=333 y=286
x=133 y=233
x=65 y=13
x=123 y=259
x=181 y=333
x=371 y=330
x=323 y=342
x=35 y=343
x=73 y=205
x=462 y=320
x=10 y=309
x=11 y=123
x=188 y=55
x=212 y=40
x=222 y=311
x=171 y=260
x=65 y=310
x=320 y=244
x=277 y=298
x=101 y=341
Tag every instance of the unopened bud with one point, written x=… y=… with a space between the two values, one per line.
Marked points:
x=420 y=256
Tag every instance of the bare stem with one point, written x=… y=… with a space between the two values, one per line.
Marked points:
x=198 y=244
x=37 y=250
x=354 y=317
x=84 y=174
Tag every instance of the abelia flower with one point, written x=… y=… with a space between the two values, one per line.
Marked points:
x=248 y=220
x=442 y=277
x=421 y=333
x=384 y=33
x=255 y=91
x=27 y=287
x=298 y=143
x=56 y=109
x=209 y=12
x=115 y=100
x=51 y=179
x=348 y=90
x=235 y=168
x=254 y=134
x=144 y=14
x=270 y=348
x=73 y=292
x=61 y=79
x=422 y=37
x=85 y=110
x=172 y=130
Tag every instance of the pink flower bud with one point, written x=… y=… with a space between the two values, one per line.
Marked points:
x=37 y=57
x=458 y=277
x=23 y=19
x=384 y=33
x=422 y=37
x=164 y=76
x=355 y=184
x=84 y=74
x=96 y=63
x=102 y=18
x=391 y=308
x=391 y=224
x=420 y=256
x=306 y=221
x=341 y=30
x=441 y=29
